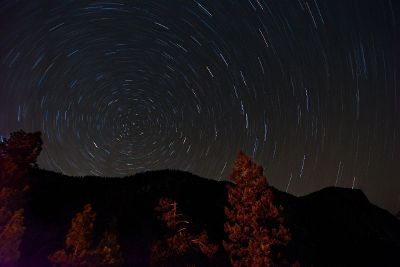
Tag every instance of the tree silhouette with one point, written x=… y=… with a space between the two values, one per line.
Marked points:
x=254 y=226
x=180 y=247
x=18 y=155
x=79 y=251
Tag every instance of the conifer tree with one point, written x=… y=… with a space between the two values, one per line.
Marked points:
x=18 y=155
x=10 y=239
x=78 y=241
x=254 y=224
x=79 y=249
x=179 y=245
x=108 y=251
x=80 y=236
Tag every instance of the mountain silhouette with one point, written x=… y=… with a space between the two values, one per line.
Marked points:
x=330 y=227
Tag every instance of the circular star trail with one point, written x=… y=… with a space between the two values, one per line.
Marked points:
x=309 y=89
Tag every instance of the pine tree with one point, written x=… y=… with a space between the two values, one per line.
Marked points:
x=8 y=204
x=204 y=246
x=24 y=148
x=79 y=249
x=10 y=237
x=254 y=226
x=179 y=245
x=18 y=155
x=78 y=241
x=108 y=252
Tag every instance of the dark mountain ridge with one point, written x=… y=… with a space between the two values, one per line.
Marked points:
x=330 y=227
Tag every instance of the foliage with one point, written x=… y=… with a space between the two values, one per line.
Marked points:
x=179 y=246
x=254 y=226
x=10 y=237
x=108 y=250
x=78 y=241
x=18 y=154
x=79 y=251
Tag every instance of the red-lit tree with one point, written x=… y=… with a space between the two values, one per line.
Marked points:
x=18 y=155
x=79 y=250
x=254 y=226
x=10 y=237
x=179 y=245
x=108 y=252
x=78 y=242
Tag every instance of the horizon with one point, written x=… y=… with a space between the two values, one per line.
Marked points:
x=308 y=89
x=149 y=172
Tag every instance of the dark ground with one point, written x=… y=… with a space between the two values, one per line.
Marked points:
x=330 y=227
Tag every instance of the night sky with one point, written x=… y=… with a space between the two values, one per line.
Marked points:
x=308 y=88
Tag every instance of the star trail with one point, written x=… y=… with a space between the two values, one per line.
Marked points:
x=309 y=88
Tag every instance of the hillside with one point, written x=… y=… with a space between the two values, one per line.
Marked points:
x=330 y=227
